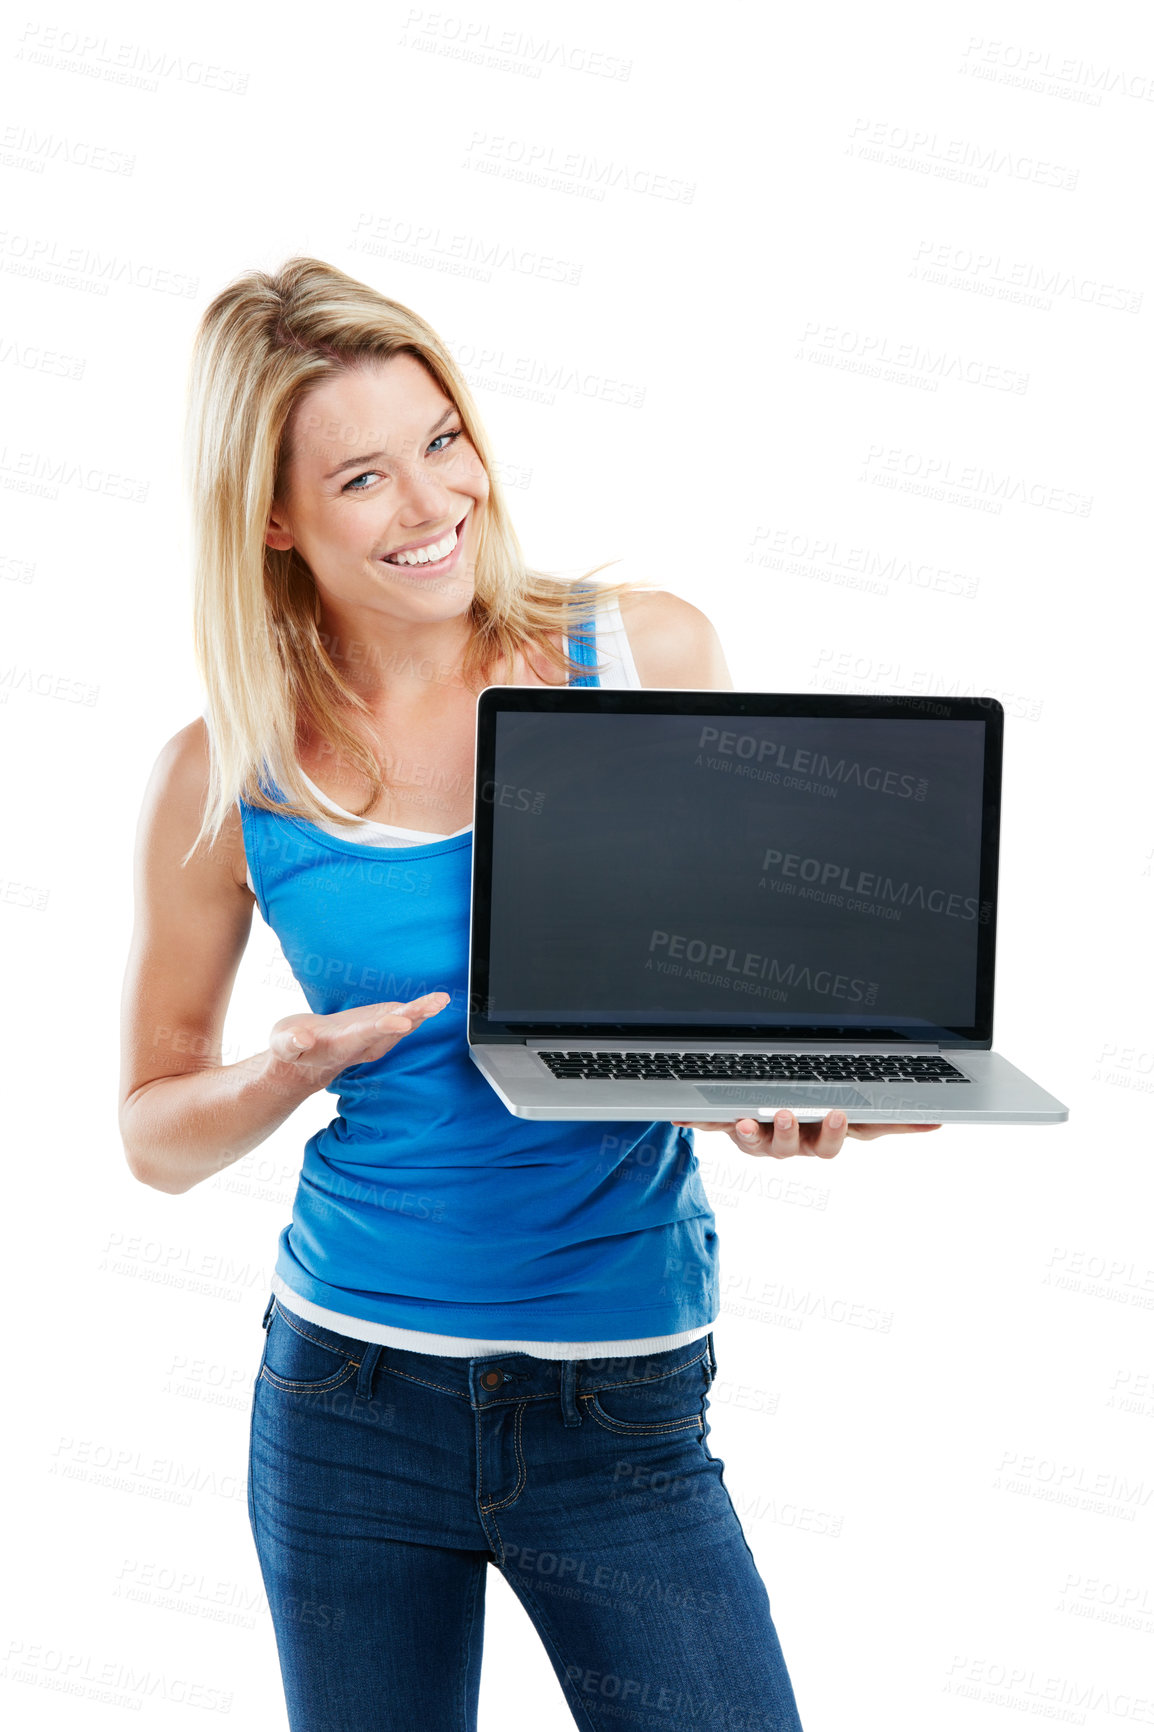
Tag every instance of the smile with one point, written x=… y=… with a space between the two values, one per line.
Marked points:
x=429 y=552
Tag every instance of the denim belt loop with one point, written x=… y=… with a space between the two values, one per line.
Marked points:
x=569 y=1392
x=372 y=1352
x=268 y=1311
x=712 y=1357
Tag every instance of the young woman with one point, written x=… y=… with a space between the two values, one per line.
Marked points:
x=488 y=1339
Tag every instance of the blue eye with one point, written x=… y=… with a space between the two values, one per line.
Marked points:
x=454 y=433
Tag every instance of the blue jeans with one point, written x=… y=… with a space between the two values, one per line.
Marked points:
x=381 y=1483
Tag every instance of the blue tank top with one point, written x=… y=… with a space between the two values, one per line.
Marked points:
x=425 y=1204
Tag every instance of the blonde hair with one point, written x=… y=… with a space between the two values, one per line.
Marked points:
x=262 y=344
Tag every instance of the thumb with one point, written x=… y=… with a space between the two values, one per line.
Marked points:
x=296 y=1041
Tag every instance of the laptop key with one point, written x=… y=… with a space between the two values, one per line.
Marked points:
x=800 y=1068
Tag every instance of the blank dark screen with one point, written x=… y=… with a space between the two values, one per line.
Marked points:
x=733 y=869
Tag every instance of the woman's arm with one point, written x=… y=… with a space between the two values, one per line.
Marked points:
x=183 y=1114
x=674 y=645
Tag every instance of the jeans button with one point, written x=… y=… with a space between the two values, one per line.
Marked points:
x=491 y=1379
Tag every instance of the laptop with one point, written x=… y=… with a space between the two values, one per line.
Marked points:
x=710 y=905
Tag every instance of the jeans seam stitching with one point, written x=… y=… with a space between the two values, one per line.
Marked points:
x=508 y=1400
x=522 y=1476
x=624 y=1427
x=315 y=1339
x=295 y=1383
x=482 y=1511
x=251 y=1431
x=638 y=1382
x=423 y=1381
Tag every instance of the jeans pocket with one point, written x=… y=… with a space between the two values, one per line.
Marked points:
x=302 y=1358
x=667 y=1405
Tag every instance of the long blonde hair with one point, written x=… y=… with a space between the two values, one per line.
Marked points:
x=263 y=342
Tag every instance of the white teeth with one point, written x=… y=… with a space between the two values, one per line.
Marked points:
x=425 y=555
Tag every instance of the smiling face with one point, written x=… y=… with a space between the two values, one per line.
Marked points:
x=382 y=493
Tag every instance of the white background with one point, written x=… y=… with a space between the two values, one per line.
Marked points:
x=834 y=320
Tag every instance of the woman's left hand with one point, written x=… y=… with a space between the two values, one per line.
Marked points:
x=783 y=1135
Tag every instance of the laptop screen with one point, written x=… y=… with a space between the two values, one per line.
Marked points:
x=741 y=873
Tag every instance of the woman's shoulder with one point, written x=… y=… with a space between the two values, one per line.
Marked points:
x=179 y=776
x=674 y=644
x=177 y=792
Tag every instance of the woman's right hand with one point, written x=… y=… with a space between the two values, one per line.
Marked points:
x=319 y=1048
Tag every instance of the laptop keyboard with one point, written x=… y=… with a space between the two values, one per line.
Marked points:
x=760 y=1067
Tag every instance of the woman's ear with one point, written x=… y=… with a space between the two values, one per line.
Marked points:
x=278 y=534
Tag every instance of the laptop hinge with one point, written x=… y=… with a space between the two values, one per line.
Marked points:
x=590 y=1042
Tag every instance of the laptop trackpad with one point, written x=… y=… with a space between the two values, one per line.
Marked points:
x=782 y=1095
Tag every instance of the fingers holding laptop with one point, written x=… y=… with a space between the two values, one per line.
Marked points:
x=781 y=1136
x=784 y=1135
x=866 y=1133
